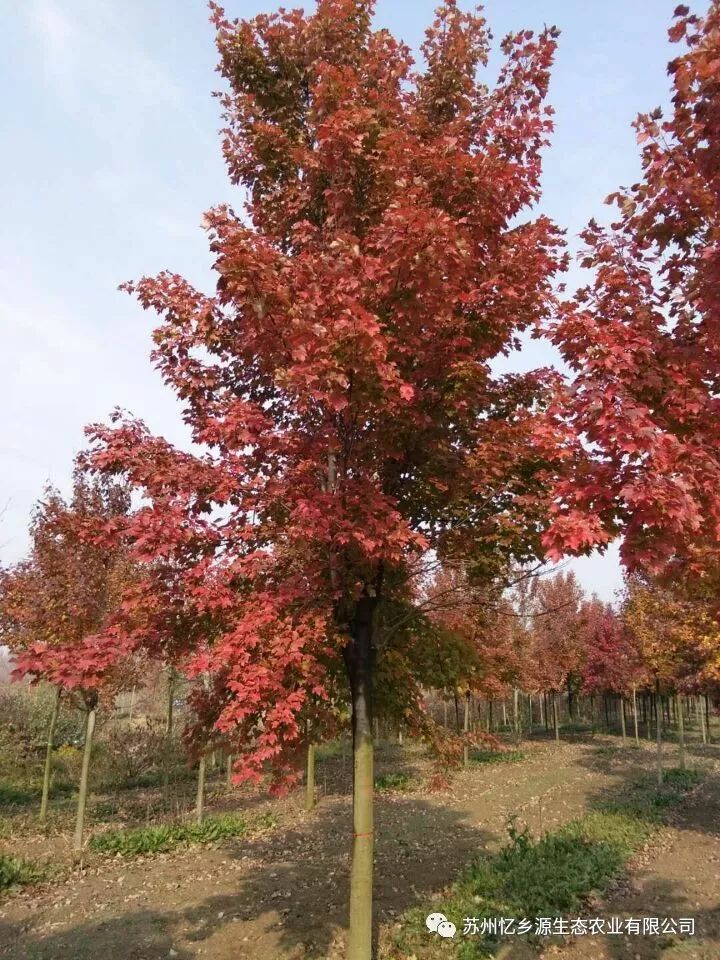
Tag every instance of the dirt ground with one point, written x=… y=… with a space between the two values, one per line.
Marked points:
x=282 y=895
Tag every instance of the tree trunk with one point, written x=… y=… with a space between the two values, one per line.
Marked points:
x=635 y=716
x=466 y=730
x=200 y=796
x=310 y=778
x=543 y=722
x=48 y=758
x=445 y=712
x=516 y=714
x=491 y=722
x=679 y=706
x=701 y=718
x=658 y=734
x=571 y=702
x=707 y=718
x=458 y=726
x=168 y=731
x=359 y=660
x=556 y=722
x=621 y=709
x=83 y=790
x=229 y=762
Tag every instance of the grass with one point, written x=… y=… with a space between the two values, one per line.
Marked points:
x=12 y=795
x=141 y=841
x=496 y=756
x=332 y=749
x=547 y=877
x=394 y=783
x=16 y=872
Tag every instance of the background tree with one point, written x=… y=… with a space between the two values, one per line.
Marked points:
x=558 y=635
x=613 y=661
x=56 y=606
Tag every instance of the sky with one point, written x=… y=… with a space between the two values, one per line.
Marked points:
x=110 y=155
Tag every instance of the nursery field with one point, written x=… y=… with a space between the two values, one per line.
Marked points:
x=275 y=889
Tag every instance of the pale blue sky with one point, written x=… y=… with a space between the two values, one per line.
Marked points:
x=110 y=156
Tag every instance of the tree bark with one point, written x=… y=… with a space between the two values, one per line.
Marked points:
x=310 y=778
x=200 y=795
x=229 y=762
x=466 y=729
x=49 y=757
x=556 y=722
x=571 y=702
x=679 y=706
x=359 y=660
x=83 y=790
x=168 y=731
x=707 y=718
x=635 y=716
x=658 y=734
x=621 y=709
x=516 y=714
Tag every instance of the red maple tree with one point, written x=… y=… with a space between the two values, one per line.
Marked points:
x=339 y=381
x=643 y=411
x=58 y=608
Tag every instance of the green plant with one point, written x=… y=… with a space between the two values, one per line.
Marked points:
x=13 y=795
x=331 y=749
x=554 y=875
x=496 y=756
x=391 y=782
x=16 y=872
x=140 y=841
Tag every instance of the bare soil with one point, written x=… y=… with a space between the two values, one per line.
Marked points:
x=282 y=894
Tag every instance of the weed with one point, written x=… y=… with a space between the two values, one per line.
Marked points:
x=496 y=756
x=394 y=782
x=332 y=749
x=12 y=795
x=140 y=841
x=552 y=876
x=15 y=872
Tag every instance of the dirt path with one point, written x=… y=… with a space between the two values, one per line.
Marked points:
x=282 y=896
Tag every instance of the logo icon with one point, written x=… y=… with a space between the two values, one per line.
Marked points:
x=439 y=923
